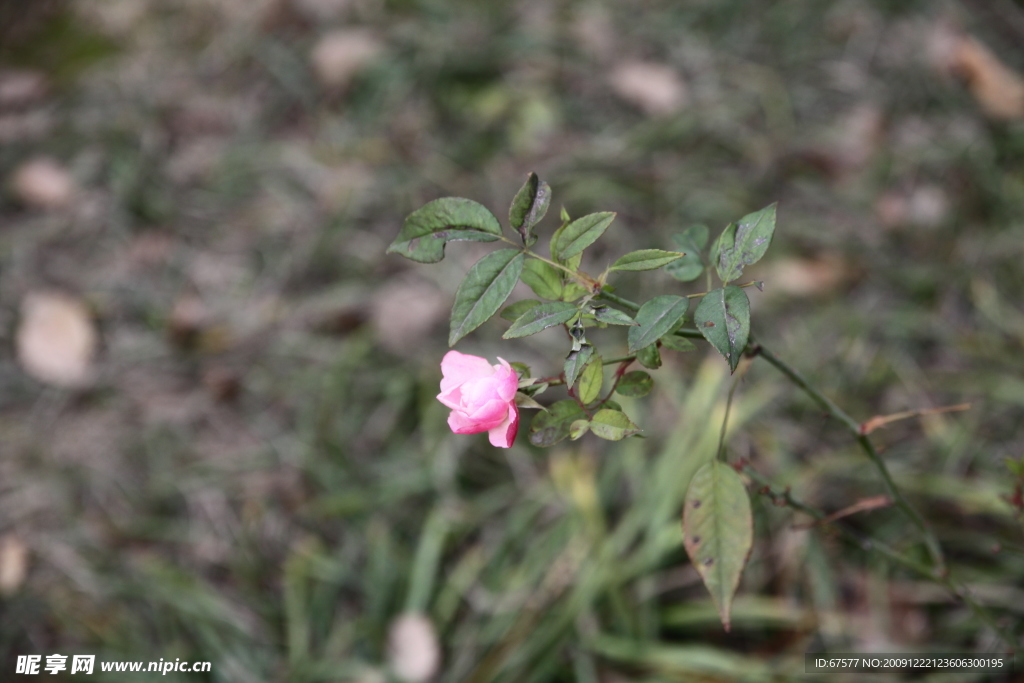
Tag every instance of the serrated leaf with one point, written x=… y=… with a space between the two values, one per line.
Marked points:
x=549 y=428
x=579 y=428
x=613 y=316
x=692 y=241
x=540 y=318
x=580 y=234
x=646 y=259
x=426 y=230
x=656 y=318
x=723 y=317
x=718 y=531
x=575 y=362
x=744 y=243
x=543 y=279
x=612 y=425
x=636 y=384
x=591 y=379
x=513 y=311
x=649 y=357
x=484 y=289
x=528 y=207
x=677 y=343
x=523 y=371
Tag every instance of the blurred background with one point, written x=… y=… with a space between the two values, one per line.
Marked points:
x=218 y=433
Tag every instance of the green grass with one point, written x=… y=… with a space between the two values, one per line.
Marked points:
x=279 y=532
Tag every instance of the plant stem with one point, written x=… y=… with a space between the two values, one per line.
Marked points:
x=932 y=543
x=725 y=419
x=624 y=364
x=940 y=577
x=629 y=305
x=752 y=283
x=930 y=540
x=579 y=277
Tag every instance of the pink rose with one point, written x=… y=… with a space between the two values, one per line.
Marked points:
x=482 y=397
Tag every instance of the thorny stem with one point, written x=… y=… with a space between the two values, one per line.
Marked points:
x=624 y=364
x=936 y=575
x=931 y=542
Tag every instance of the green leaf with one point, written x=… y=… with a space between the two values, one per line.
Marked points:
x=580 y=234
x=591 y=379
x=514 y=311
x=646 y=259
x=744 y=243
x=612 y=425
x=579 y=428
x=549 y=428
x=637 y=383
x=649 y=357
x=541 y=317
x=613 y=316
x=677 y=343
x=718 y=531
x=656 y=318
x=523 y=370
x=426 y=230
x=528 y=207
x=543 y=279
x=534 y=389
x=527 y=401
x=692 y=241
x=723 y=317
x=573 y=291
x=575 y=362
x=484 y=289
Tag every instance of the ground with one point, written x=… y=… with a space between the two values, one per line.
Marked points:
x=238 y=457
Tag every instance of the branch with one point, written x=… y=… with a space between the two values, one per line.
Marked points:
x=940 y=577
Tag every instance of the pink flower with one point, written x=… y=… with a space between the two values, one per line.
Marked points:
x=482 y=397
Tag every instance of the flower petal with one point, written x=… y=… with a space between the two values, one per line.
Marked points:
x=460 y=423
x=451 y=398
x=459 y=368
x=507 y=380
x=504 y=434
x=490 y=414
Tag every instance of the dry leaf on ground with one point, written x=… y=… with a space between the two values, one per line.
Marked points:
x=998 y=89
x=43 y=184
x=56 y=339
x=655 y=88
x=818 y=276
x=13 y=564
x=338 y=56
